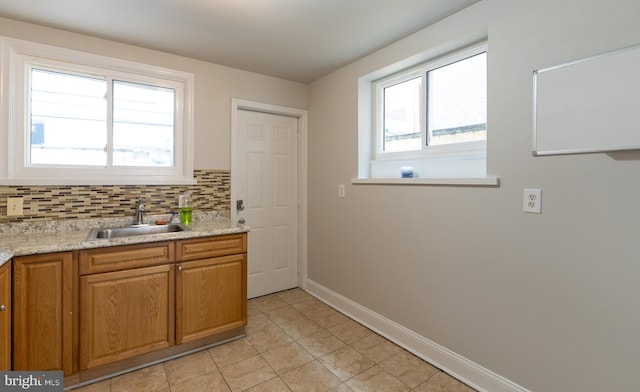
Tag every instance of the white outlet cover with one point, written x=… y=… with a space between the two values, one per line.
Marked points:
x=532 y=201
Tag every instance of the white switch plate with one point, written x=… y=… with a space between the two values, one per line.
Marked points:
x=341 y=190
x=15 y=206
x=532 y=201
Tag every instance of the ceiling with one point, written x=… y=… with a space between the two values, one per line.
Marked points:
x=298 y=40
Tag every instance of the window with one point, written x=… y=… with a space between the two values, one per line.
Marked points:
x=443 y=102
x=143 y=125
x=402 y=119
x=68 y=119
x=457 y=101
x=69 y=122
x=86 y=119
x=432 y=117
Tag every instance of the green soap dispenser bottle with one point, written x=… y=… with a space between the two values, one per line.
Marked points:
x=186 y=211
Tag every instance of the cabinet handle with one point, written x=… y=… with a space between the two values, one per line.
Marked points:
x=2 y=307
x=179 y=268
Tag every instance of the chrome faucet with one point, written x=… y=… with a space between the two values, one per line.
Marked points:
x=139 y=212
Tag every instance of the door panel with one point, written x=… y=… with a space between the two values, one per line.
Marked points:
x=267 y=182
x=210 y=297
x=43 y=312
x=125 y=313
x=5 y=317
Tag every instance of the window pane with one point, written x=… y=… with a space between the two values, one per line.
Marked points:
x=402 y=119
x=458 y=101
x=143 y=125
x=68 y=119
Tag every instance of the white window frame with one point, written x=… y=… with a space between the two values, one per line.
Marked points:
x=455 y=161
x=18 y=57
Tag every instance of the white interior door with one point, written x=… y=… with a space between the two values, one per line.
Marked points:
x=266 y=184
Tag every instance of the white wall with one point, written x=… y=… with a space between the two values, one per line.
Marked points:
x=215 y=85
x=550 y=301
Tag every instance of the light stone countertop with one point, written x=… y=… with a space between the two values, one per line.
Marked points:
x=5 y=255
x=60 y=237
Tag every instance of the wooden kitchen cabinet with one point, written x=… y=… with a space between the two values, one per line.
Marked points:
x=5 y=316
x=43 y=312
x=211 y=286
x=134 y=305
x=126 y=313
x=211 y=296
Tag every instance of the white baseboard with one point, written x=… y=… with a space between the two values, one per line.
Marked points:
x=454 y=364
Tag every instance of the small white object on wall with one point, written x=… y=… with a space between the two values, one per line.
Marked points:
x=532 y=201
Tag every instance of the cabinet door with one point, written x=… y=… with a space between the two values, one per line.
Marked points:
x=43 y=312
x=211 y=297
x=126 y=313
x=5 y=316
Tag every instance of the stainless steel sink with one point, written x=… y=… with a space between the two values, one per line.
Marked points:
x=132 y=231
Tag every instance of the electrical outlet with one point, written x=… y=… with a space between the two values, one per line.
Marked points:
x=180 y=201
x=15 y=206
x=341 y=190
x=532 y=201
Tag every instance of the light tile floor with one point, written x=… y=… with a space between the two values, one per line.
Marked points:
x=294 y=343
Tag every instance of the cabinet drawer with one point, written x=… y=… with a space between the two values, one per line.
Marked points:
x=202 y=248
x=116 y=258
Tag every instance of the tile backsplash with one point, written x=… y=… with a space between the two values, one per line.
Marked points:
x=43 y=203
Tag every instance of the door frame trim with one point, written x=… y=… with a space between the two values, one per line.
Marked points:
x=302 y=116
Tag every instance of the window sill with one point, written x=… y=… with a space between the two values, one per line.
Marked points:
x=442 y=181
